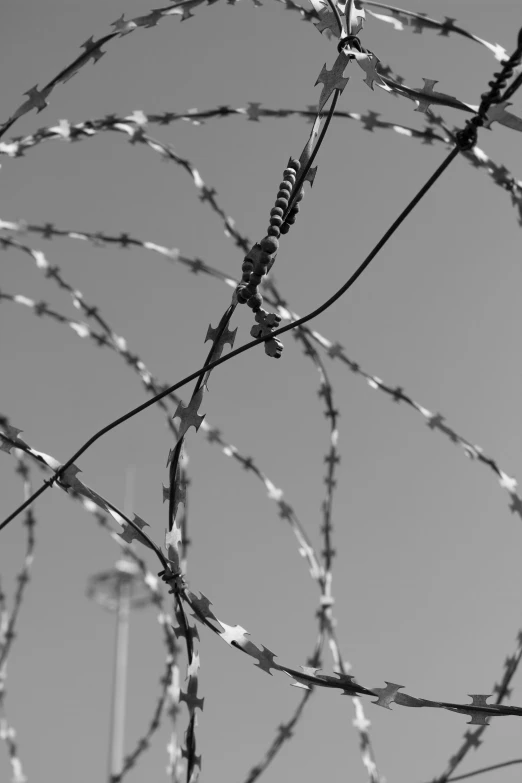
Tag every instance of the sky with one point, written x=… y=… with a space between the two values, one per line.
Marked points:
x=426 y=576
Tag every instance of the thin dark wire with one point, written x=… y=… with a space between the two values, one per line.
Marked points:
x=486 y=769
x=292 y=325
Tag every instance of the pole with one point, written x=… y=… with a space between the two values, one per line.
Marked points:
x=123 y=601
x=119 y=679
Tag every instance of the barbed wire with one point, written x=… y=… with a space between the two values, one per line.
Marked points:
x=418 y=22
x=236 y=636
x=92 y=49
x=212 y=434
x=284 y=734
x=189 y=413
x=323 y=578
x=165 y=621
x=8 y=735
x=325 y=613
x=254 y=111
x=157 y=599
x=8 y=622
x=120 y=344
x=284 y=730
x=111 y=338
x=257 y=262
x=286 y=512
x=65 y=475
x=510 y=665
x=335 y=351
x=502 y=691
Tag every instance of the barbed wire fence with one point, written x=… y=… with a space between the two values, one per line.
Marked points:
x=343 y=25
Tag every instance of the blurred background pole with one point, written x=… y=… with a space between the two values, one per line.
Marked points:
x=120 y=590
x=119 y=677
x=119 y=682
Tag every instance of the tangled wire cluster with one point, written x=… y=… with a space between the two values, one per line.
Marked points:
x=255 y=288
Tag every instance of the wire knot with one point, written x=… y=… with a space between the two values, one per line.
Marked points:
x=174 y=580
x=467 y=137
x=349 y=40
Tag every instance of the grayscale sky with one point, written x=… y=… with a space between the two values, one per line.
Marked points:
x=427 y=569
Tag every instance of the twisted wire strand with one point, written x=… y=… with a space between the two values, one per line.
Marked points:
x=8 y=622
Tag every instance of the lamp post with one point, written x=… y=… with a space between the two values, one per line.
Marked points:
x=119 y=590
